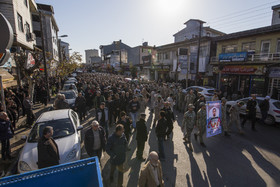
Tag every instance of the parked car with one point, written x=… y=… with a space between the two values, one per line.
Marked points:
x=70 y=87
x=71 y=81
x=206 y=91
x=273 y=112
x=67 y=135
x=70 y=97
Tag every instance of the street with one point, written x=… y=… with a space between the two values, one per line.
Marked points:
x=249 y=160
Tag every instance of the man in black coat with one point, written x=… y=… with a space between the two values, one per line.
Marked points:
x=95 y=140
x=126 y=122
x=169 y=116
x=48 y=154
x=141 y=136
x=80 y=106
x=251 y=110
x=264 y=106
x=161 y=130
x=5 y=135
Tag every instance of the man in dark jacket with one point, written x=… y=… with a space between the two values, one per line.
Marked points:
x=134 y=106
x=116 y=149
x=102 y=116
x=169 y=116
x=27 y=103
x=141 y=136
x=161 y=130
x=80 y=106
x=61 y=103
x=251 y=110
x=264 y=106
x=5 y=135
x=48 y=154
x=126 y=122
x=95 y=140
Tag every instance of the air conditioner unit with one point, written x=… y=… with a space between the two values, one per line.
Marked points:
x=31 y=37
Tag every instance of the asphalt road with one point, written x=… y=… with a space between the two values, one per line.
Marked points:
x=249 y=160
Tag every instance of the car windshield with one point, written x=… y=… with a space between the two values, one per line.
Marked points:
x=277 y=104
x=69 y=95
x=211 y=91
x=61 y=128
x=67 y=87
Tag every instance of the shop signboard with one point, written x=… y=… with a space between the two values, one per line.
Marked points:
x=213 y=123
x=233 y=57
x=274 y=72
x=244 y=70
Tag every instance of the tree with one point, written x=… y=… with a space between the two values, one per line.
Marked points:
x=68 y=66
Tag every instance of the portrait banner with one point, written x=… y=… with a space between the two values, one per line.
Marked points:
x=213 y=123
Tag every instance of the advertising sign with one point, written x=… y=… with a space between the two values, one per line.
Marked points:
x=244 y=70
x=274 y=72
x=233 y=57
x=30 y=61
x=213 y=125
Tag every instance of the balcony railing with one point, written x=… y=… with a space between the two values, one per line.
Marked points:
x=260 y=57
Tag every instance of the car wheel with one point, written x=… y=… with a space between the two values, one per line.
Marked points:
x=269 y=120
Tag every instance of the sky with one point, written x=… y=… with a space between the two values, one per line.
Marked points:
x=91 y=23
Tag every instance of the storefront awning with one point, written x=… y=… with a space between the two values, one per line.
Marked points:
x=7 y=79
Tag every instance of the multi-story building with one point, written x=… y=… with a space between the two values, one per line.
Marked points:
x=90 y=54
x=275 y=15
x=192 y=30
x=18 y=13
x=248 y=62
x=63 y=50
x=50 y=30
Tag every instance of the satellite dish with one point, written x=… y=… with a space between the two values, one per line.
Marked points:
x=6 y=38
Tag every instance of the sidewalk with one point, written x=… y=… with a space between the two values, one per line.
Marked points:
x=16 y=142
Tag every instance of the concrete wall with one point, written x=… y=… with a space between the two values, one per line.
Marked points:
x=275 y=17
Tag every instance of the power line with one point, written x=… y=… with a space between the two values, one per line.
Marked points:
x=237 y=12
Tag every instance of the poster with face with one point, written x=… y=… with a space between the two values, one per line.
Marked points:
x=213 y=125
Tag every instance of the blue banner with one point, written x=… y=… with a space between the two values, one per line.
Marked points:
x=213 y=125
x=233 y=57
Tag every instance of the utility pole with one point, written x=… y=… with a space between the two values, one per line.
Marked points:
x=198 y=51
x=44 y=55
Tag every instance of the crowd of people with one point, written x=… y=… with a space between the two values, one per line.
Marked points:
x=121 y=103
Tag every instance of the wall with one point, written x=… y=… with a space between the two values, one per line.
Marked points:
x=275 y=17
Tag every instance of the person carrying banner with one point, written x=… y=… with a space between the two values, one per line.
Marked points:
x=224 y=117
x=188 y=125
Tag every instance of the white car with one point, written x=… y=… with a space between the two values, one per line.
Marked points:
x=70 y=87
x=273 y=112
x=67 y=135
x=206 y=91
x=70 y=97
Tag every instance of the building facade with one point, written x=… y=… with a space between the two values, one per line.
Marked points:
x=246 y=62
x=90 y=54
x=63 y=50
x=275 y=15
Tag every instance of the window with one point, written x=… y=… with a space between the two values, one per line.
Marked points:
x=25 y=2
x=250 y=46
x=229 y=49
x=278 y=46
x=36 y=18
x=27 y=28
x=265 y=47
x=37 y=33
x=20 y=23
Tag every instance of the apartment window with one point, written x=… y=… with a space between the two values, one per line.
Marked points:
x=265 y=47
x=229 y=49
x=25 y=2
x=36 y=18
x=20 y=23
x=27 y=28
x=278 y=46
x=250 y=46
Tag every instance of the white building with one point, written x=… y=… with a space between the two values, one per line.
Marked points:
x=275 y=15
x=18 y=13
x=91 y=53
x=63 y=50
x=192 y=31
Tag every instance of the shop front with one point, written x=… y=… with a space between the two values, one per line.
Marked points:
x=243 y=80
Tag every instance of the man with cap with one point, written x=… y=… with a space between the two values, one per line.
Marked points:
x=201 y=123
x=224 y=117
x=234 y=114
x=251 y=110
x=48 y=154
x=169 y=116
x=264 y=106
x=190 y=99
x=158 y=107
x=102 y=116
x=188 y=125
x=95 y=140
x=141 y=136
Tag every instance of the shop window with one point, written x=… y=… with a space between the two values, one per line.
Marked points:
x=250 y=46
